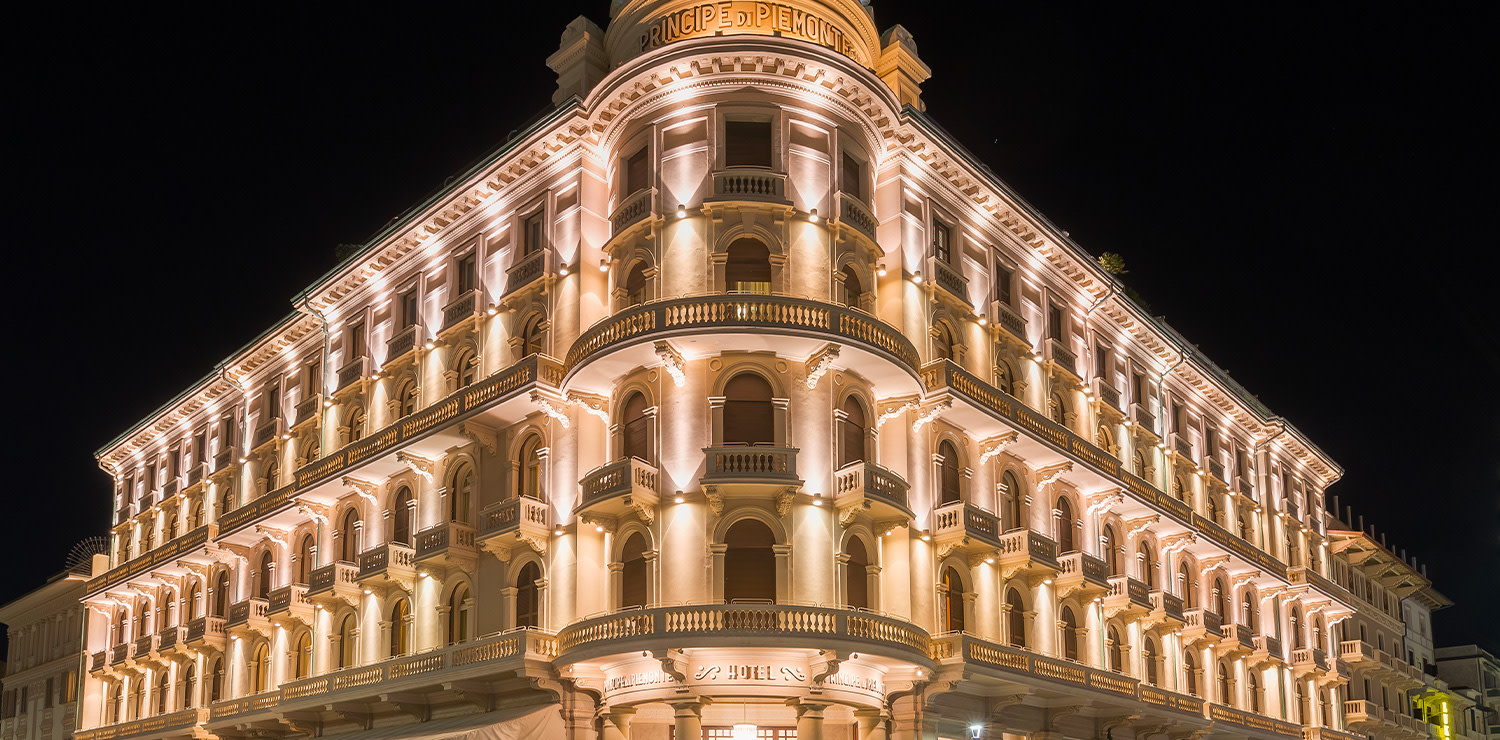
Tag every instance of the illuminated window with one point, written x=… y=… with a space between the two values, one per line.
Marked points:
x=634 y=574
x=533 y=233
x=404 y=517
x=953 y=601
x=749 y=412
x=528 y=596
x=747 y=267
x=747 y=144
x=529 y=465
x=851 y=432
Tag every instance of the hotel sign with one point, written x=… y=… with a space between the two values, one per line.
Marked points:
x=643 y=676
x=747 y=17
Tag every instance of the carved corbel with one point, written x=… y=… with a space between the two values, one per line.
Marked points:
x=645 y=511
x=1212 y=561
x=551 y=411
x=784 y=500
x=1046 y=476
x=1100 y=502
x=1240 y=579
x=818 y=365
x=590 y=404
x=846 y=514
x=715 y=499
x=826 y=664
x=1172 y=544
x=314 y=511
x=887 y=526
x=894 y=409
x=363 y=488
x=931 y=413
x=672 y=663
x=672 y=362
x=481 y=435
x=419 y=465
x=996 y=445
x=538 y=544
x=1140 y=525
x=497 y=547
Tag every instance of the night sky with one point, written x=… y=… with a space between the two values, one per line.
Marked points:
x=1305 y=193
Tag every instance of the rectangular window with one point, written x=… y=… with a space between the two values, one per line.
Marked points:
x=637 y=172
x=533 y=234
x=47 y=698
x=354 y=341
x=942 y=237
x=854 y=178
x=151 y=477
x=272 y=408
x=312 y=379
x=747 y=144
x=1004 y=284
x=466 y=277
x=173 y=461
x=1138 y=388
x=226 y=432
x=1055 y=322
x=1102 y=360
x=200 y=446
x=409 y=308
x=70 y=687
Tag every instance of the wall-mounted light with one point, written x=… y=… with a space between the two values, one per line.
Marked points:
x=492 y=310
x=817 y=499
x=604 y=265
x=976 y=731
x=681 y=211
x=926 y=537
x=327 y=404
x=983 y=320
x=557 y=532
x=916 y=277
x=430 y=344
x=812 y=215
x=880 y=269
x=563 y=271
x=678 y=498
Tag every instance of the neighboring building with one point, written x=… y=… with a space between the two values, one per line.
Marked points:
x=39 y=693
x=1475 y=673
x=731 y=392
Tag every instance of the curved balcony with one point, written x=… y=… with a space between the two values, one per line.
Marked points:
x=791 y=327
x=750 y=464
x=619 y=487
x=865 y=486
x=743 y=626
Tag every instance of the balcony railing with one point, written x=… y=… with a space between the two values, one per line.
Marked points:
x=205 y=628
x=1080 y=570
x=749 y=184
x=170 y=637
x=352 y=371
x=1060 y=355
x=1108 y=394
x=1182 y=445
x=984 y=654
x=853 y=212
x=167 y=553
x=465 y=306
x=632 y=476
x=1166 y=605
x=961 y=519
x=144 y=646
x=1250 y=720
x=527 y=269
x=1142 y=417
x=631 y=210
x=1013 y=323
x=98 y=660
x=948 y=278
x=445 y=538
x=721 y=312
x=1216 y=468
x=156 y=725
x=513 y=515
x=402 y=342
x=1204 y=622
x=284 y=599
x=742 y=625
x=307 y=409
x=1129 y=592
x=861 y=483
x=749 y=464
x=243 y=612
x=118 y=654
x=331 y=576
x=385 y=559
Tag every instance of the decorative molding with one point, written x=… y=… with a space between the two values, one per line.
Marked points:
x=1048 y=475
x=365 y=489
x=785 y=499
x=931 y=414
x=715 y=499
x=591 y=404
x=420 y=465
x=894 y=411
x=550 y=410
x=481 y=435
x=996 y=445
x=818 y=365
x=672 y=361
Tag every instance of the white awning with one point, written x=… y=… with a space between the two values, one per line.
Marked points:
x=542 y=722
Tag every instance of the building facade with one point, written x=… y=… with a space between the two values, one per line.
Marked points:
x=733 y=392
x=1474 y=673
x=39 y=690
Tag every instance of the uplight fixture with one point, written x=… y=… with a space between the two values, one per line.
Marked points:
x=880 y=269
x=604 y=265
x=492 y=310
x=916 y=277
x=812 y=216
x=563 y=271
x=681 y=211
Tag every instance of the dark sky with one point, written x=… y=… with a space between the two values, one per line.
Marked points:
x=1306 y=193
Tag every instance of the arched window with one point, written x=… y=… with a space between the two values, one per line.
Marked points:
x=749 y=563
x=121 y=633
x=1015 y=618
x=272 y=472
x=1185 y=582
x=1116 y=650
x=1139 y=463
x=1146 y=559
x=349 y=533
x=1247 y=610
x=747 y=267
x=466 y=367
x=1005 y=378
x=953 y=601
x=948 y=475
x=849 y=287
x=1243 y=525
x=856 y=574
x=459 y=606
x=1011 y=493
x=634 y=575
x=942 y=342
x=1104 y=440
x=345 y=648
x=169 y=530
x=1215 y=514
x=1252 y=689
x=264 y=576
x=314 y=449
x=1190 y=672
x=635 y=429
x=221 y=594
x=635 y=285
x=1293 y=553
x=1149 y=656
x=216 y=681
x=1058 y=409
x=305 y=559
x=138 y=698
x=529 y=467
x=195 y=600
x=461 y=495
x=115 y=710
x=852 y=432
x=400 y=628
x=528 y=598
x=1317 y=632
x=1224 y=697
x=1304 y=706
x=163 y=688
x=531 y=336
x=404 y=517
x=1069 y=634
x=1179 y=489
x=195 y=515
x=1219 y=606
x=260 y=668
x=1064 y=524
x=749 y=415
x=1111 y=550
x=302 y=656
x=1298 y=642
x=355 y=427
x=189 y=687
x=406 y=398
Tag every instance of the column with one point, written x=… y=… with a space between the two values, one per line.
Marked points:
x=617 y=723
x=871 y=724
x=688 y=718
x=809 y=718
